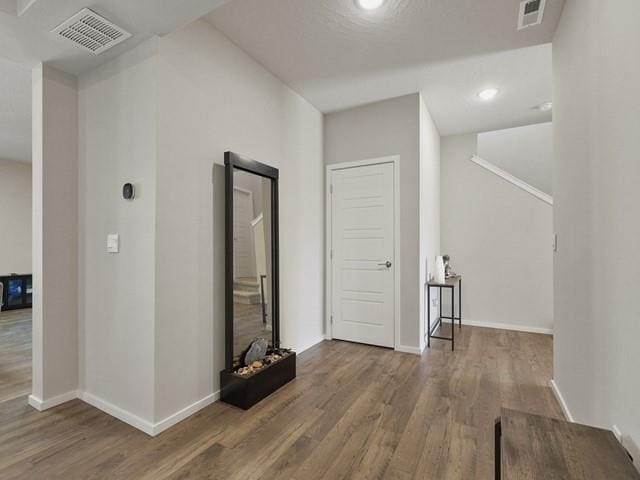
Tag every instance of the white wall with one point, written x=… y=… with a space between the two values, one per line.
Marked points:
x=118 y=118
x=525 y=152
x=213 y=98
x=596 y=198
x=55 y=234
x=499 y=238
x=162 y=116
x=381 y=129
x=429 y=208
x=15 y=217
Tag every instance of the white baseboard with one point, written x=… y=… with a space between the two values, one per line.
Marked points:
x=407 y=349
x=146 y=426
x=627 y=442
x=41 y=405
x=135 y=421
x=616 y=431
x=632 y=447
x=119 y=413
x=186 y=412
x=561 y=401
x=129 y=418
x=505 y=326
x=399 y=348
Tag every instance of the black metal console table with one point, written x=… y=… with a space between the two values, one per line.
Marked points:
x=449 y=283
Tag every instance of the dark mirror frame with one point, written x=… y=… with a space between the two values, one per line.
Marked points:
x=232 y=162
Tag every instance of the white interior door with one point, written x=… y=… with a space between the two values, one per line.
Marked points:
x=362 y=243
x=242 y=246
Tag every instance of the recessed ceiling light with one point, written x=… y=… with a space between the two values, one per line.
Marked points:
x=544 y=107
x=488 y=93
x=369 y=4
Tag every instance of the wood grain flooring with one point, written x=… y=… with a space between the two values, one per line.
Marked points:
x=354 y=412
x=15 y=354
x=247 y=324
x=535 y=447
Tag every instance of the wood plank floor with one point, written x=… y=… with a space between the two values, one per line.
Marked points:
x=247 y=321
x=15 y=354
x=354 y=412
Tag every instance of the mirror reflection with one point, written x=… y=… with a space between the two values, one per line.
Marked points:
x=252 y=272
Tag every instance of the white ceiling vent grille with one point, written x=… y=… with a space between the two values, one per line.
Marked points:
x=531 y=13
x=91 y=31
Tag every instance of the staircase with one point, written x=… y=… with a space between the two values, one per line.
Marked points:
x=247 y=291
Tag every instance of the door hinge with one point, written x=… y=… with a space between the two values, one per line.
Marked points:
x=331 y=189
x=331 y=319
x=331 y=254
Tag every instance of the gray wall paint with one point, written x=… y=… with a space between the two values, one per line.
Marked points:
x=227 y=101
x=55 y=233
x=429 y=208
x=525 y=152
x=161 y=115
x=596 y=197
x=118 y=145
x=15 y=217
x=499 y=239
x=390 y=127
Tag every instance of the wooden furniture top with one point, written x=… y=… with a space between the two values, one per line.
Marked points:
x=535 y=447
x=448 y=282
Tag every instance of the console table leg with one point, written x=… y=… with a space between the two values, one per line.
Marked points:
x=428 y=316
x=453 y=318
x=498 y=448
x=460 y=303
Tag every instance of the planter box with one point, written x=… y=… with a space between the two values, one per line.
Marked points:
x=245 y=392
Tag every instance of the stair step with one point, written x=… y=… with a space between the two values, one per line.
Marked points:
x=247 y=297
x=246 y=282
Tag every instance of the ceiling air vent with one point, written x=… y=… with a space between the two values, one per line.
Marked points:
x=531 y=13
x=91 y=31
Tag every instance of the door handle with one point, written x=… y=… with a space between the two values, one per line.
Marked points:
x=386 y=264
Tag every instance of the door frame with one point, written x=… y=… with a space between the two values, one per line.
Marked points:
x=252 y=250
x=395 y=161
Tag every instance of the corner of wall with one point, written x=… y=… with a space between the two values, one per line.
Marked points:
x=55 y=233
x=429 y=205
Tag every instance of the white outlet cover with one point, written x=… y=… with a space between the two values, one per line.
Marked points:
x=113 y=243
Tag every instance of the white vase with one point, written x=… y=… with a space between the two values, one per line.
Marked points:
x=439 y=273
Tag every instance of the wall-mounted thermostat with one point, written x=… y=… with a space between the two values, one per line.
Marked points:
x=128 y=191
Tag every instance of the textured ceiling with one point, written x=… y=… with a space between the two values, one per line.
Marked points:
x=25 y=27
x=523 y=76
x=333 y=53
x=338 y=56
x=25 y=40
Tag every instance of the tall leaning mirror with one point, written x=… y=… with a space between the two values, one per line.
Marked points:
x=255 y=363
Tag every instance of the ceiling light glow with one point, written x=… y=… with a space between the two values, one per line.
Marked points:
x=488 y=94
x=369 y=4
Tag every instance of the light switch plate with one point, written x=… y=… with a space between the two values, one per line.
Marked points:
x=113 y=243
